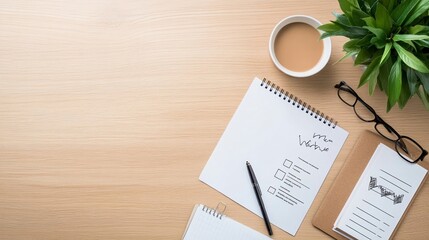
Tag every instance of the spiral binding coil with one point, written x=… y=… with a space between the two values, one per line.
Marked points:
x=290 y=98
x=217 y=212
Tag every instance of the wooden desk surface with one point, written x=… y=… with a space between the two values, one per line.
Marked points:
x=110 y=110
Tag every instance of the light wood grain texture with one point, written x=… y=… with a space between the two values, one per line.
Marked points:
x=110 y=110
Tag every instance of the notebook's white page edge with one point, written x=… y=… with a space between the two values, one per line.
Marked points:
x=190 y=219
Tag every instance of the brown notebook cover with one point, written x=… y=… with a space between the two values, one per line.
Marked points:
x=344 y=183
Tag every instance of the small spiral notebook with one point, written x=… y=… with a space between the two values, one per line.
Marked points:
x=211 y=224
x=290 y=145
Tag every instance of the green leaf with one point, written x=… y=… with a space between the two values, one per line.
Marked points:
x=383 y=19
x=379 y=33
x=344 y=30
x=349 y=54
x=372 y=83
x=421 y=8
x=371 y=2
x=409 y=59
x=419 y=29
x=379 y=44
x=351 y=45
x=394 y=83
x=425 y=20
x=356 y=32
x=386 y=53
x=329 y=27
x=362 y=5
x=356 y=44
x=401 y=12
x=365 y=41
x=423 y=43
x=424 y=79
x=337 y=33
x=409 y=38
x=411 y=43
x=372 y=6
x=389 y=106
x=405 y=95
x=371 y=71
x=370 y=21
x=337 y=14
x=413 y=82
x=357 y=16
x=362 y=57
x=384 y=74
x=346 y=5
x=343 y=20
x=405 y=37
x=424 y=97
x=389 y=4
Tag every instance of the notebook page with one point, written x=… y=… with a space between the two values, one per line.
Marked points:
x=204 y=225
x=290 y=151
x=380 y=197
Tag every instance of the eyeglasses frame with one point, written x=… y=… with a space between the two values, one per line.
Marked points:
x=343 y=86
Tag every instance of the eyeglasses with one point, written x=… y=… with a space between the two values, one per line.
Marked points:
x=405 y=146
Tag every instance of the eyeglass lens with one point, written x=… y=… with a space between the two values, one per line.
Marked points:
x=386 y=132
x=409 y=150
x=363 y=112
x=347 y=97
x=360 y=109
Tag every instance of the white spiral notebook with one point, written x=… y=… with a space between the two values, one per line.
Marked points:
x=290 y=145
x=211 y=224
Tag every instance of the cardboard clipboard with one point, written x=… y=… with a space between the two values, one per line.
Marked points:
x=347 y=178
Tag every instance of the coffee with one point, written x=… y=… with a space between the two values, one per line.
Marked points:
x=298 y=47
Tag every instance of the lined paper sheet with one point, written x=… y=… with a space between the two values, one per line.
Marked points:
x=203 y=225
x=291 y=152
x=380 y=197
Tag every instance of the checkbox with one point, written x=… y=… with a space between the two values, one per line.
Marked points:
x=271 y=190
x=287 y=163
x=280 y=175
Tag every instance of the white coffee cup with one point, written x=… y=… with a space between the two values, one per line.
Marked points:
x=326 y=46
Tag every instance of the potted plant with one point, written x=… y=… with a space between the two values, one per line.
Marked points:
x=390 y=38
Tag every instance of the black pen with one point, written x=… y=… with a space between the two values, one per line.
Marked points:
x=259 y=197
